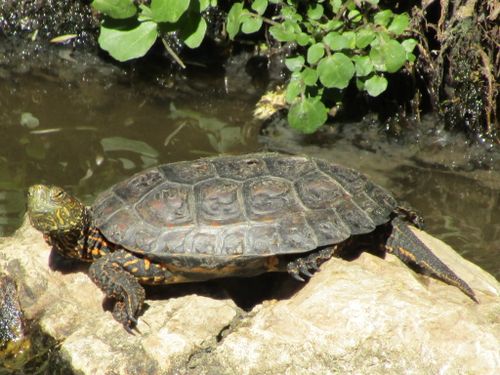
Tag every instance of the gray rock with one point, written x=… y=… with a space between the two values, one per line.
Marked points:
x=11 y=316
x=366 y=316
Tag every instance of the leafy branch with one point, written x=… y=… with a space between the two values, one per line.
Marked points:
x=338 y=41
x=128 y=31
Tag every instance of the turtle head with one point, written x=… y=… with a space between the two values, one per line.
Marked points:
x=53 y=210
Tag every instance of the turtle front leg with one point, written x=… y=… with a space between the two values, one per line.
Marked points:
x=110 y=274
x=303 y=266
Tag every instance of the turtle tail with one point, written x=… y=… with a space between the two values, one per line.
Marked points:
x=403 y=243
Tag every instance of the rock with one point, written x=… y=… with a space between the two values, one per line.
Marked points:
x=11 y=316
x=369 y=315
x=39 y=21
x=14 y=344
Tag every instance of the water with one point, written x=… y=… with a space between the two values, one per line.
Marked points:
x=85 y=125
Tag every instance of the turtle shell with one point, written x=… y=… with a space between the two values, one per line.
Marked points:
x=251 y=206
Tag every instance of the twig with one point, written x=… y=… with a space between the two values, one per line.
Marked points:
x=174 y=133
x=173 y=54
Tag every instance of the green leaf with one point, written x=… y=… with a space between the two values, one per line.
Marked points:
x=350 y=37
x=204 y=4
x=360 y=84
x=293 y=89
x=336 y=5
x=294 y=63
x=128 y=44
x=309 y=76
x=364 y=37
x=192 y=31
x=234 y=20
x=351 y=4
x=409 y=45
x=315 y=53
x=260 y=6
x=363 y=65
x=251 y=24
x=145 y=13
x=376 y=85
x=354 y=16
x=289 y=13
x=168 y=10
x=118 y=9
x=126 y=144
x=304 y=39
x=307 y=115
x=330 y=39
x=399 y=24
x=285 y=32
x=333 y=25
x=389 y=56
x=383 y=17
x=315 y=11
x=338 y=42
x=335 y=71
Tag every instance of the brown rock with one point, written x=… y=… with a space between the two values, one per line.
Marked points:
x=366 y=316
x=373 y=316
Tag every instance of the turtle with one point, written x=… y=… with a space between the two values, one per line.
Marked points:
x=225 y=216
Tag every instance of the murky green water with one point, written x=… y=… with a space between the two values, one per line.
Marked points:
x=85 y=129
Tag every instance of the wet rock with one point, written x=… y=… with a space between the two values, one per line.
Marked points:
x=11 y=316
x=39 y=21
x=14 y=344
x=366 y=316
x=69 y=308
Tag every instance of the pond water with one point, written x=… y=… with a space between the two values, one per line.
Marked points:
x=86 y=125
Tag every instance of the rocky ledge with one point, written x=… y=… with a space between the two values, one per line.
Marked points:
x=369 y=315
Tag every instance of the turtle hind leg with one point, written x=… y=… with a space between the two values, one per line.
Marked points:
x=303 y=266
x=403 y=243
x=110 y=276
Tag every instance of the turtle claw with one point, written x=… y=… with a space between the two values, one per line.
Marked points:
x=128 y=322
x=296 y=268
x=304 y=266
x=305 y=271
x=297 y=277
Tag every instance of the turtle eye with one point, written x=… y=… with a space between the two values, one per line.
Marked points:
x=58 y=194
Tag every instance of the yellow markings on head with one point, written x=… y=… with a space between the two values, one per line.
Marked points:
x=147 y=264
x=61 y=215
x=158 y=279
x=95 y=251
x=134 y=270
